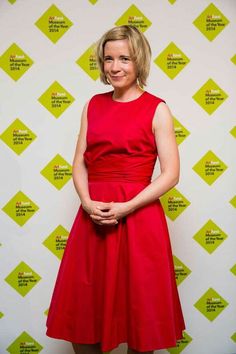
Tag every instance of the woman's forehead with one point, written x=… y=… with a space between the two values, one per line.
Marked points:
x=117 y=45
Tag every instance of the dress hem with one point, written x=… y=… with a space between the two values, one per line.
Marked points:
x=108 y=349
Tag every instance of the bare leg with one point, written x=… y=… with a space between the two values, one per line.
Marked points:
x=132 y=351
x=87 y=348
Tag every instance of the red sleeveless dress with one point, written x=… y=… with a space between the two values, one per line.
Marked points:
x=116 y=284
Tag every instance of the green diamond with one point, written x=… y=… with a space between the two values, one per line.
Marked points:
x=181 y=133
x=11 y=1
x=20 y=208
x=181 y=344
x=210 y=96
x=1 y=314
x=174 y=203
x=233 y=201
x=88 y=63
x=24 y=344
x=22 y=278
x=210 y=236
x=56 y=241
x=209 y=167
x=211 y=22
x=172 y=1
x=46 y=312
x=56 y=99
x=171 y=60
x=93 y=1
x=53 y=23
x=233 y=337
x=15 y=62
x=18 y=136
x=58 y=171
x=211 y=304
x=133 y=16
x=181 y=270
x=233 y=59
x=233 y=131
x=233 y=270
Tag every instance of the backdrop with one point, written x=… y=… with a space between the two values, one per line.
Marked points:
x=48 y=72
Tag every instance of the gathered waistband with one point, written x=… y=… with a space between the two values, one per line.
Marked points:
x=120 y=172
x=119 y=177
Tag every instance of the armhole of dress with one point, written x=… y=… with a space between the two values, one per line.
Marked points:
x=160 y=100
x=157 y=104
x=88 y=104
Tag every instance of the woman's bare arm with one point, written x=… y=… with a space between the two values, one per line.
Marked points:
x=163 y=129
x=80 y=176
x=79 y=170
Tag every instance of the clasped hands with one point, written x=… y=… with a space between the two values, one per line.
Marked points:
x=106 y=213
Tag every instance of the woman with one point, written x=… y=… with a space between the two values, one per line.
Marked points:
x=116 y=281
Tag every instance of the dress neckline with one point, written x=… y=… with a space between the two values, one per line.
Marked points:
x=126 y=102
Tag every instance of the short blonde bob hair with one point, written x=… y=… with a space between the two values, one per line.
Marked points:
x=140 y=51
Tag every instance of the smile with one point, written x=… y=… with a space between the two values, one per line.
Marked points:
x=116 y=77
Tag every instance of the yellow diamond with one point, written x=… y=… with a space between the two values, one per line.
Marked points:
x=233 y=337
x=18 y=136
x=56 y=99
x=23 y=278
x=233 y=131
x=181 y=133
x=172 y=60
x=58 y=171
x=20 y=208
x=53 y=23
x=88 y=63
x=15 y=62
x=233 y=59
x=210 y=96
x=181 y=344
x=24 y=344
x=56 y=241
x=233 y=201
x=181 y=270
x=210 y=167
x=210 y=236
x=211 y=22
x=174 y=203
x=211 y=304
x=133 y=16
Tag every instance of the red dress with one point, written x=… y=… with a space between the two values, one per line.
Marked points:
x=116 y=284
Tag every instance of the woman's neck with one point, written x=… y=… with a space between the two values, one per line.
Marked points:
x=126 y=95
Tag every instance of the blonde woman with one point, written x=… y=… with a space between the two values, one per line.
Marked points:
x=116 y=281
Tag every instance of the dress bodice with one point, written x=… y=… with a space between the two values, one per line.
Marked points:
x=120 y=141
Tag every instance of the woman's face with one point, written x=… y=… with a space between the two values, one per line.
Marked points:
x=119 y=67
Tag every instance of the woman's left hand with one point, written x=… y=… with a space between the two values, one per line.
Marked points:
x=116 y=211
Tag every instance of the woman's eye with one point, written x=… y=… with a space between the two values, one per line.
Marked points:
x=107 y=59
x=125 y=59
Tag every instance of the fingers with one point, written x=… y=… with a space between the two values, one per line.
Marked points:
x=104 y=206
x=105 y=222
x=101 y=217
x=102 y=212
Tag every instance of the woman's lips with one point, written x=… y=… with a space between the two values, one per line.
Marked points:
x=116 y=77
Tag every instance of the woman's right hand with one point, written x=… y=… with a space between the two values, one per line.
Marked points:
x=102 y=212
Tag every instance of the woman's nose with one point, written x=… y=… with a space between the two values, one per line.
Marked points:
x=115 y=66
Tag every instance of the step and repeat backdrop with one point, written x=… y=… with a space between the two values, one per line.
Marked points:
x=48 y=72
